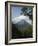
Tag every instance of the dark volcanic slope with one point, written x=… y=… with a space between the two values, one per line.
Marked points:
x=19 y=30
x=22 y=24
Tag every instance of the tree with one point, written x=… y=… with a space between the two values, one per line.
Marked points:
x=27 y=11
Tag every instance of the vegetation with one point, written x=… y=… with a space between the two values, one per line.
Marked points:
x=27 y=11
x=26 y=33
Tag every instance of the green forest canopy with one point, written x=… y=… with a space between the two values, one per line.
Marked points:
x=27 y=11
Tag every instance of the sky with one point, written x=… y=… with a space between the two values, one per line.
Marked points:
x=16 y=11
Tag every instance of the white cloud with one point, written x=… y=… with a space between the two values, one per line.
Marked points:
x=21 y=17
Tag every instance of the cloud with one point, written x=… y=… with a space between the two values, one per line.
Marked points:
x=21 y=17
